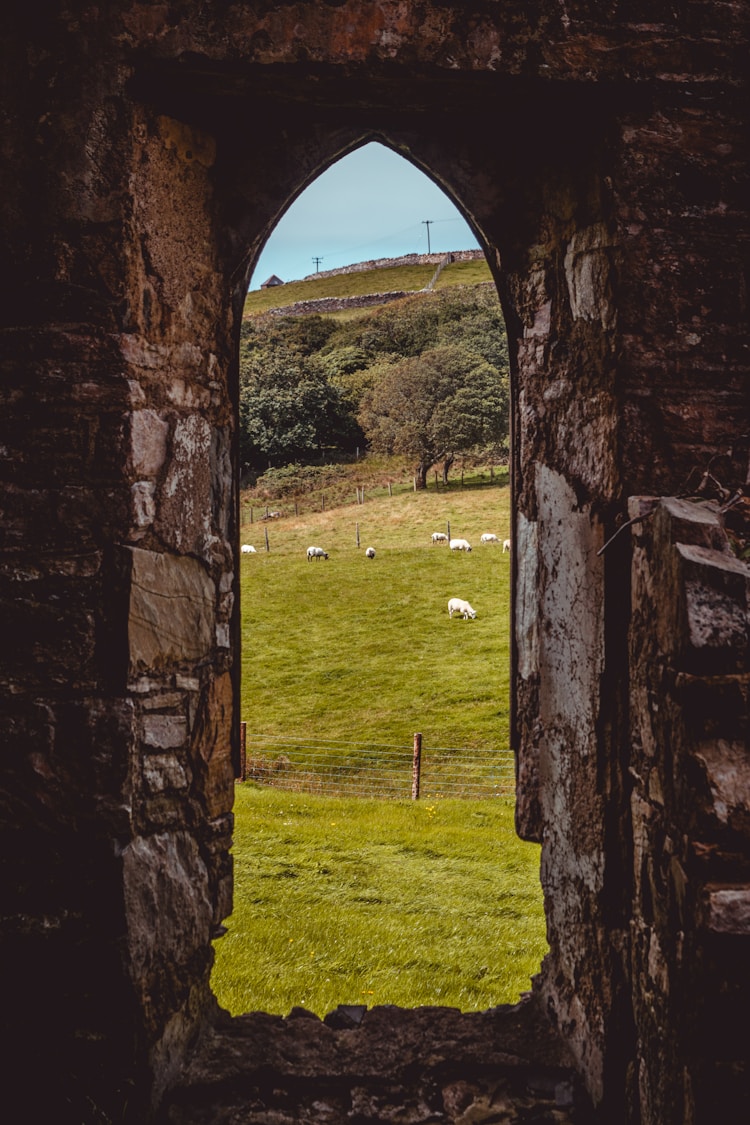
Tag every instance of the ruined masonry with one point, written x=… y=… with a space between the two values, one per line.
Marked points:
x=600 y=153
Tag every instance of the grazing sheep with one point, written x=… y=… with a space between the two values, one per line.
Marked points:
x=439 y=537
x=488 y=537
x=458 y=605
x=506 y=544
x=370 y=553
x=460 y=545
x=316 y=553
x=247 y=549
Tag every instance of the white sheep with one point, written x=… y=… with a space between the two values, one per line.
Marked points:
x=316 y=553
x=506 y=544
x=460 y=545
x=458 y=605
x=247 y=549
x=488 y=537
x=439 y=537
x=370 y=553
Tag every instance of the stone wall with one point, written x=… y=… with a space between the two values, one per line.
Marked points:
x=402 y=260
x=690 y=800
x=143 y=174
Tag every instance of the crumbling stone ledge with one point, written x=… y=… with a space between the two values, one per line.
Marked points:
x=384 y=1064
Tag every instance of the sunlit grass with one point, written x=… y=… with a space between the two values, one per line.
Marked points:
x=363 y=650
x=344 y=901
x=375 y=901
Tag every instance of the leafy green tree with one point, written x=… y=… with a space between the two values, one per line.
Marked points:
x=288 y=410
x=430 y=407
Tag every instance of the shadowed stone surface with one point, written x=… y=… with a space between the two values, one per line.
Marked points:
x=600 y=153
x=382 y=1064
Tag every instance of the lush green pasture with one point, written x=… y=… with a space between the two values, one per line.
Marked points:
x=363 y=650
x=346 y=900
x=378 y=902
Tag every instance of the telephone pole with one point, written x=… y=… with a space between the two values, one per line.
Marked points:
x=427 y=224
x=317 y=264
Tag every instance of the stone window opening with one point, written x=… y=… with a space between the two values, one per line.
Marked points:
x=384 y=187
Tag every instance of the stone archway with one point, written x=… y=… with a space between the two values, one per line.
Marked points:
x=603 y=162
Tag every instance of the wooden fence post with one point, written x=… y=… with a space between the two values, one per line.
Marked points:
x=243 y=751
x=322 y=501
x=416 y=767
x=436 y=481
x=390 y=489
x=448 y=525
x=251 y=513
x=266 y=532
x=357 y=533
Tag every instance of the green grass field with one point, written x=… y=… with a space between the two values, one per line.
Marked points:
x=376 y=901
x=363 y=650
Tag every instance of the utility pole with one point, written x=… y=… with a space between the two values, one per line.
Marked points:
x=427 y=222
x=317 y=264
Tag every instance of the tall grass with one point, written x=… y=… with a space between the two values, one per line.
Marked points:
x=378 y=902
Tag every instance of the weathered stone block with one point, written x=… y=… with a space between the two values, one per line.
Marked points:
x=164 y=731
x=162 y=772
x=728 y=910
x=212 y=746
x=148 y=442
x=716 y=591
x=165 y=885
x=171 y=615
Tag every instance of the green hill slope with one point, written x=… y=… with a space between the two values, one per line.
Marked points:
x=385 y=280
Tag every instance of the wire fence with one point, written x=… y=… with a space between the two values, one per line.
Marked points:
x=347 y=769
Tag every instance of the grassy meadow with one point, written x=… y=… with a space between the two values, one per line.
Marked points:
x=366 y=901
x=363 y=650
x=378 y=902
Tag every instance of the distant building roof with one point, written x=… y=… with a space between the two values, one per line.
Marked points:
x=272 y=280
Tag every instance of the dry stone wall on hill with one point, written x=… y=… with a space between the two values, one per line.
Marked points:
x=403 y=260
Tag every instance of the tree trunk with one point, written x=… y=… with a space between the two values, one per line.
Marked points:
x=447 y=465
x=420 y=475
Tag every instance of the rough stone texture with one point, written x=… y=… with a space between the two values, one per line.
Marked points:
x=382 y=1064
x=690 y=803
x=601 y=155
x=171 y=614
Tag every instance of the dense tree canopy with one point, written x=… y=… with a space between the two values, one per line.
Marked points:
x=434 y=405
x=426 y=377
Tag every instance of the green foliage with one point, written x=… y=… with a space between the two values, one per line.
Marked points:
x=434 y=405
x=289 y=411
x=304 y=380
x=346 y=901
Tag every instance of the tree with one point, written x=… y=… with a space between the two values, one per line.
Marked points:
x=432 y=406
x=288 y=410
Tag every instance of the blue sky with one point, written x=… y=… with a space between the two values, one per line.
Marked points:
x=370 y=204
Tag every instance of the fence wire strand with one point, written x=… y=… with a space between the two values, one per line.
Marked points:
x=339 y=768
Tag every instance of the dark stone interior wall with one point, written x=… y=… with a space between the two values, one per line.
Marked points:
x=148 y=152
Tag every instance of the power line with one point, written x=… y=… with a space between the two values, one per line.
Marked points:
x=317 y=264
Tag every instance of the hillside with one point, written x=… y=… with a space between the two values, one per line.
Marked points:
x=400 y=278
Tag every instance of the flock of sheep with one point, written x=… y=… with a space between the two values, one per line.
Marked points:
x=455 y=605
